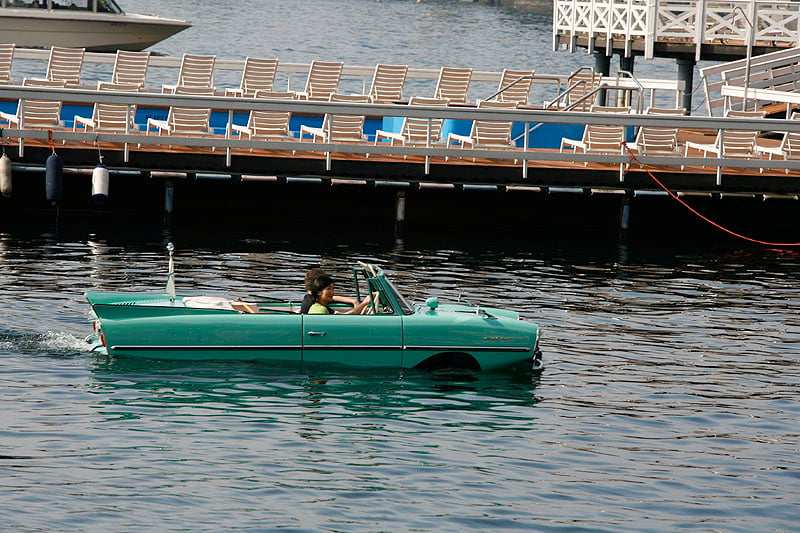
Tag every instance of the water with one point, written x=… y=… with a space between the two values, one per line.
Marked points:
x=429 y=34
x=669 y=401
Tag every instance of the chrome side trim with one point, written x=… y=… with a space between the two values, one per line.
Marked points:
x=228 y=347
x=471 y=348
x=353 y=347
x=202 y=347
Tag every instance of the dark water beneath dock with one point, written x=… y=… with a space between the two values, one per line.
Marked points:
x=669 y=401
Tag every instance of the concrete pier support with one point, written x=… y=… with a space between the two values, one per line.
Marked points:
x=686 y=74
x=169 y=197
x=626 y=63
x=625 y=218
x=399 y=212
x=624 y=97
x=602 y=64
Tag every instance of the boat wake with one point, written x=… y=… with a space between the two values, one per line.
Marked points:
x=45 y=343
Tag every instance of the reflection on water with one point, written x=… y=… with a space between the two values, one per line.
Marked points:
x=261 y=392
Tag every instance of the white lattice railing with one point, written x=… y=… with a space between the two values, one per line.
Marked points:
x=734 y=21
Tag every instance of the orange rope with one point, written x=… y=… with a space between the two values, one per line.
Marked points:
x=632 y=158
x=50 y=141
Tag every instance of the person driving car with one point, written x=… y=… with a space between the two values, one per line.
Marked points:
x=323 y=293
x=308 y=299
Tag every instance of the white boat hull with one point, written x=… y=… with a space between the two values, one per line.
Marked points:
x=97 y=32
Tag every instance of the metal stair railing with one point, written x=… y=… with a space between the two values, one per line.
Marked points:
x=506 y=87
x=602 y=87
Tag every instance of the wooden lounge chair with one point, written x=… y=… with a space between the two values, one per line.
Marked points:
x=114 y=118
x=65 y=64
x=387 y=83
x=789 y=149
x=6 y=58
x=323 y=81
x=453 y=84
x=186 y=121
x=487 y=133
x=35 y=113
x=196 y=71
x=416 y=130
x=339 y=127
x=130 y=68
x=658 y=140
x=517 y=85
x=599 y=138
x=267 y=124
x=731 y=142
x=580 y=85
x=257 y=75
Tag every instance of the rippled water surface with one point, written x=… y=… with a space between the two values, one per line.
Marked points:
x=669 y=401
x=428 y=34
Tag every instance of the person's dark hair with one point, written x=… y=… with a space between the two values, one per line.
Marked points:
x=319 y=283
x=311 y=274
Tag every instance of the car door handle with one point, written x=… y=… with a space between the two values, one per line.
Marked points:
x=317 y=333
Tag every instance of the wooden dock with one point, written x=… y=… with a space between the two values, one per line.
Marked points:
x=221 y=173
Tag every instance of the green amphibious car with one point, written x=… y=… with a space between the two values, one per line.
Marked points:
x=389 y=333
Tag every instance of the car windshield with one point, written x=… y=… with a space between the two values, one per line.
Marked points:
x=405 y=307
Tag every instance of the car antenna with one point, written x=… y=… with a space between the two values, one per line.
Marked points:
x=171 y=273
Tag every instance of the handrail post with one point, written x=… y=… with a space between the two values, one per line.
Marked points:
x=699 y=29
x=228 y=136
x=328 y=138
x=525 y=150
x=651 y=23
x=428 y=145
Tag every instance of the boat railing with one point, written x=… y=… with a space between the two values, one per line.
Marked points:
x=96 y=6
x=228 y=147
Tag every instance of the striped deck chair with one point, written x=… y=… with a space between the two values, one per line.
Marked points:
x=115 y=118
x=185 y=121
x=387 y=83
x=658 y=140
x=323 y=81
x=487 y=133
x=789 y=149
x=65 y=64
x=130 y=68
x=257 y=75
x=36 y=113
x=517 y=85
x=579 y=85
x=196 y=71
x=453 y=84
x=599 y=138
x=342 y=127
x=415 y=130
x=267 y=124
x=730 y=143
x=6 y=58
